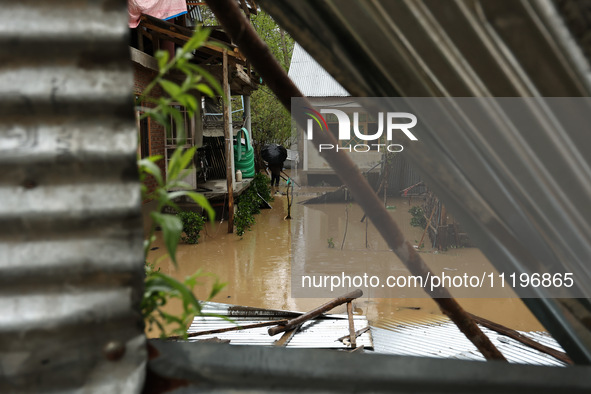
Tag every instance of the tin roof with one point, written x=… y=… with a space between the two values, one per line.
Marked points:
x=323 y=332
x=311 y=78
x=432 y=336
x=437 y=336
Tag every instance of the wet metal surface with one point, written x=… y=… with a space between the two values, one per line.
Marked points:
x=439 y=337
x=71 y=267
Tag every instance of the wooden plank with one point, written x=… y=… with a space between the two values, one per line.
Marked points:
x=228 y=136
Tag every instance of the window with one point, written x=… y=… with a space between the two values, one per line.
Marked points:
x=172 y=139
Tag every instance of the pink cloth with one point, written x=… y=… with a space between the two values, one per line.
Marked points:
x=161 y=9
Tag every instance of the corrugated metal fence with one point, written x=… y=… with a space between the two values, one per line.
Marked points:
x=71 y=265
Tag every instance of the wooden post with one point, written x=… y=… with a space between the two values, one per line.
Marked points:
x=352 y=335
x=228 y=136
x=198 y=121
x=140 y=38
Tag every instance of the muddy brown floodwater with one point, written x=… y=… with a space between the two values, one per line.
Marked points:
x=257 y=266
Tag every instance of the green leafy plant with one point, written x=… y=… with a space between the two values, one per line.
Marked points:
x=160 y=288
x=418 y=217
x=330 y=243
x=193 y=223
x=249 y=203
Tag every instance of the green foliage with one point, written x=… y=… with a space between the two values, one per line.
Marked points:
x=196 y=78
x=160 y=288
x=418 y=217
x=330 y=243
x=262 y=185
x=193 y=223
x=271 y=122
x=249 y=203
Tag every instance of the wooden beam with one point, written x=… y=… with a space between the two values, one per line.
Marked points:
x=522 y=338
x=228 y=134
x=185 y=34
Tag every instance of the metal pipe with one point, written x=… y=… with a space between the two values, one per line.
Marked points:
x=244 y=35
x=233 y=328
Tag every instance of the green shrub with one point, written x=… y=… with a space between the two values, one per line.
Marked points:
x=262 y=185
x=193 y=223
x=418 y=217
x=249 y=203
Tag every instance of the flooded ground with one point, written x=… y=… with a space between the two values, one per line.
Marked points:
x=257 y=266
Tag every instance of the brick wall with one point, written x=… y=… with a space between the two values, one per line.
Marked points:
x=142 y=77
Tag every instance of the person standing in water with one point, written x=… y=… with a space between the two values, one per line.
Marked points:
x=275 y=169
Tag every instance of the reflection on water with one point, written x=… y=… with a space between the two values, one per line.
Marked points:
x=257 y=267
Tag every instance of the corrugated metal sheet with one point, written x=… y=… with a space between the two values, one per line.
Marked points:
x=311 y=78
x=71 y=266
x=319 y=333
x=527 y=216
x=211 y=367
x=439 y=337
